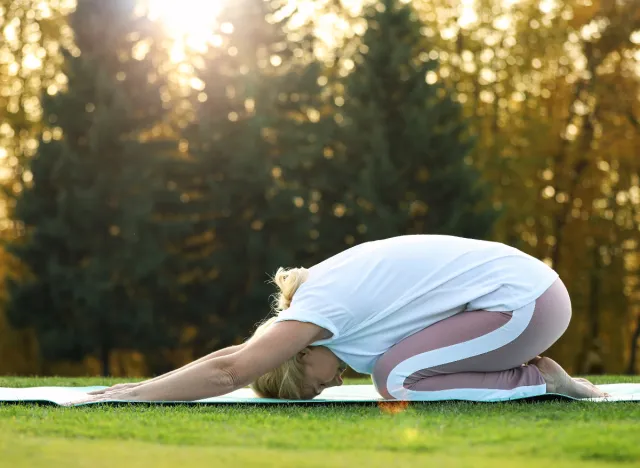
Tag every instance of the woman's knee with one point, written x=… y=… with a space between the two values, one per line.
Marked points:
x=380 y=376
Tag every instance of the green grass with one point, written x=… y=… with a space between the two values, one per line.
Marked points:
x=555 y=433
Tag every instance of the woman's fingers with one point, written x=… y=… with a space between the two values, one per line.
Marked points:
x=113 y=388
x=80 y=401
x=109 y=393
x=107 y=396
x=105 y=390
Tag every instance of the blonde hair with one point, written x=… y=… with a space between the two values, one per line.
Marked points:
x=285 y=381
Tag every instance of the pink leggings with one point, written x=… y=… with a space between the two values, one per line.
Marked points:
x=476 y=355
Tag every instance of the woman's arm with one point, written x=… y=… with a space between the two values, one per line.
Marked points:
x=224 y=374
x=221 y=352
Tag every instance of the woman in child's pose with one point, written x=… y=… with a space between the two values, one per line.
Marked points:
x=428 y=317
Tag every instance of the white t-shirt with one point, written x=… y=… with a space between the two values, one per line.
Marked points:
x=375 y=294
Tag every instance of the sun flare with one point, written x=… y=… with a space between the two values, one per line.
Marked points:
x=187 y=20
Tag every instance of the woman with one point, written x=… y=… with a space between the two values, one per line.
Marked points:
x=428 y=317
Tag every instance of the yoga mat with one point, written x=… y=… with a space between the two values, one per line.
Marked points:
x=335 y=395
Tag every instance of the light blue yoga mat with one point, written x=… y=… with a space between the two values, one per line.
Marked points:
x=335 y=395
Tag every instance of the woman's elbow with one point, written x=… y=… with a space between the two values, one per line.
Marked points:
x=227 y=375
x=233 y=378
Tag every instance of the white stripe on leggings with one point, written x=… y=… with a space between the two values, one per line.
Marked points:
x=483 y=344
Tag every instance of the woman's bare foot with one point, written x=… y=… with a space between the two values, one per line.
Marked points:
x=558 y=381
x=577 y=379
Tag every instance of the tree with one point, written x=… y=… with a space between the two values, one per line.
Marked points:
x=556 y=143
x=253 y=135
x=402 y=150
x=30 y=34
x=95 y=249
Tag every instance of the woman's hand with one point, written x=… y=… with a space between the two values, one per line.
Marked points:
x=108 y=394
x=123 y=386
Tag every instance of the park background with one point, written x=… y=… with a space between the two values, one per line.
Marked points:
x=159 y=160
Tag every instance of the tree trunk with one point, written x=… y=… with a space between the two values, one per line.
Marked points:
x=105 y=353
x=590 y=358
x=633 y=356
x=594 y=293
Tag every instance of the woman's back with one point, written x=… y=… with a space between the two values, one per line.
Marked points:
x=377 y=293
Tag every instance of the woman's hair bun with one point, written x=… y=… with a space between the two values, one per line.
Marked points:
x=288 y=282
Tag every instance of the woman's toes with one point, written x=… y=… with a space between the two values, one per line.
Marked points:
x=591 y=385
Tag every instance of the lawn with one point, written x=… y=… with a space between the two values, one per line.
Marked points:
x=555 y=434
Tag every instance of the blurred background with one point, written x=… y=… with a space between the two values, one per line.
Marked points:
x=159 y=160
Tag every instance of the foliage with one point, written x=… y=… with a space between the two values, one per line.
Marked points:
x=403 y=147
x=94 y=250
x=31 y=33
x=285 y=159
x=558 y=145
x=243 y=224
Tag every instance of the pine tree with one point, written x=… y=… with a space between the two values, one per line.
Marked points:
x=250 y=143
x=96 y=252
x=402 y=153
